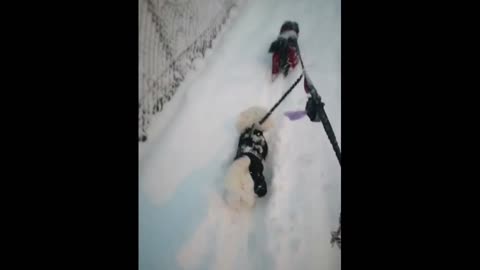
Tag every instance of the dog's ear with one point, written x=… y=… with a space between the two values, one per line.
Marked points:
x=277 y=45
x=295 y=26
x=273 y=47
x=252 y=116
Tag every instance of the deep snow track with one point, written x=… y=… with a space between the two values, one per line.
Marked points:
x=183 y=222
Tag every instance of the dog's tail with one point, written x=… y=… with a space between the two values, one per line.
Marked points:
x=252 y=116
x=239 y=183
x=237 y=173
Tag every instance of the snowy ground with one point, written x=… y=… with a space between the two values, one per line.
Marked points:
x=184 y=223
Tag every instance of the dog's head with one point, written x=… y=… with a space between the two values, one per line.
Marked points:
x=252 y=116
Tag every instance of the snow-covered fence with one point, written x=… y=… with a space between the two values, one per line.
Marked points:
x=172 y=34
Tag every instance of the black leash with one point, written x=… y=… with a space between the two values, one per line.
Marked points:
x=276 y=104
x=281 y=99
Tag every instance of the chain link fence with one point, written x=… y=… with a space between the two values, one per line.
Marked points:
x=172 y=34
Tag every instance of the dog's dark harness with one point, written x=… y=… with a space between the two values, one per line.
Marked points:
x=252 y=144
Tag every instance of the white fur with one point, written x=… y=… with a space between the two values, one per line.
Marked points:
x=252 y=116
x=288 y=34
x=239 y=184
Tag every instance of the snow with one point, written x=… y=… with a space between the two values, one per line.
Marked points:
x=183 y=221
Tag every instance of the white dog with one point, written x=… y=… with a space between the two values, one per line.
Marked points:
x=244 y=180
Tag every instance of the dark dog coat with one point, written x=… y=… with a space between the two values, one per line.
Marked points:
x=284 y=49
x=252 y=144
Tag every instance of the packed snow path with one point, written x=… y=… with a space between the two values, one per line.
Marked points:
x=183 y=221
